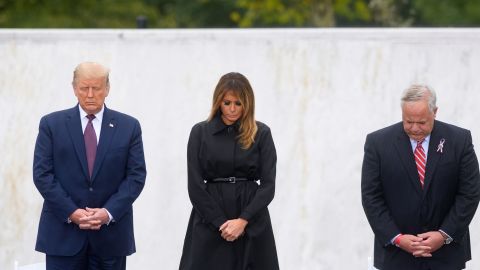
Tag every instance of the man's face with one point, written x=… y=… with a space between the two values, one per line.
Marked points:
x=417 y=119
x=91 y=93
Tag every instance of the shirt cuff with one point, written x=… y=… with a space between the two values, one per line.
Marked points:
x=395 y=238
x=110 y=217
x=446 y=234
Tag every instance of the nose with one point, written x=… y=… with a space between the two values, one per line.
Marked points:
x=90 y=92
x=416 y=127
x=232 y=107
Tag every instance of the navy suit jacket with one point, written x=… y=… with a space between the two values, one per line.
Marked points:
x=394 y=201
x=60 y=174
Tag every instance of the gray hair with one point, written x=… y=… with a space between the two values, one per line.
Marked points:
x=418 y=92
x=91 y=70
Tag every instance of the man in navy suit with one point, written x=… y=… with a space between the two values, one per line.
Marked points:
x=89 y=167
x=420 y=188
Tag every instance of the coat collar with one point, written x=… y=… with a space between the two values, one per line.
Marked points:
x=74 y=127
x=404 y=150
x=109 y=127
x=217 y=125
x=433 y=156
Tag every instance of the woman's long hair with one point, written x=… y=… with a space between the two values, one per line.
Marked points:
x=239 y=85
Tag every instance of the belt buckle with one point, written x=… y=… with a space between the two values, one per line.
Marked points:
x=232 y=180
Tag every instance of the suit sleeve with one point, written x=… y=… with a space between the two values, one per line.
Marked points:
x=129 y=190
x=466 y=201
x=201 y=200
x=57 y=199
x=373 y=201
x=266 y=190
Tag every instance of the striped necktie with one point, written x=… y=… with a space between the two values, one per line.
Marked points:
x=420 y=160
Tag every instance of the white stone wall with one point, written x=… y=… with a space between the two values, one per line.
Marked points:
x=320 y=90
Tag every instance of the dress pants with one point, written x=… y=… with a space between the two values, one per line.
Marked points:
x=85 y=260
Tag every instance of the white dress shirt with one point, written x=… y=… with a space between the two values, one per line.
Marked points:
x=96 y=122
x=425 y=143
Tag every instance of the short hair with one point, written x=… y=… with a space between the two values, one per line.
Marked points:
x=240 y=86
x=91 y=70
x=418 y=92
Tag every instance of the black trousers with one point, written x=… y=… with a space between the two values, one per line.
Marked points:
x=85 y=260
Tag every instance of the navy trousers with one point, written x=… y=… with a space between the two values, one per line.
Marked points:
x=85 y=260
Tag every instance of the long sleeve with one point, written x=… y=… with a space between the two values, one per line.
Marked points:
x=57 y=199
x=466 y=201
x=129 y=190
x=373 y=201
x=201 y=200
x=266 y=190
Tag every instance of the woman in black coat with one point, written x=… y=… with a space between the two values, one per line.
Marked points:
x=231 y=181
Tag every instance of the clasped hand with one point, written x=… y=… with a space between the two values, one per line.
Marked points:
x=422 y=245
x=90 y=218
x=233 y=228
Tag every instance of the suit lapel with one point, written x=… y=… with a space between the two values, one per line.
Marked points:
x=74 y=127
x=106 y=134
x=433 y=156
x=404 y=150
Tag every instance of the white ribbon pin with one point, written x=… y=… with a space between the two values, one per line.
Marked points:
x=111 y=125
x=440 y=146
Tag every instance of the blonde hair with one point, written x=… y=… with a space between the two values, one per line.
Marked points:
x=239 y=85
x=91 y=70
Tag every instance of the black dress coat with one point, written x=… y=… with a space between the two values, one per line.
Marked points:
x=395 y=202
x=213 y=152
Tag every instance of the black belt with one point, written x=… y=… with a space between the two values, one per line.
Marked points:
x=231 y=180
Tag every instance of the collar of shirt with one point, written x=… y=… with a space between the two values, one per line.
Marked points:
x=425 y=143
x=97 y=122
x=218 y=125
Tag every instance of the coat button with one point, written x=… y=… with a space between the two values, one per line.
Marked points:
x=90 y=188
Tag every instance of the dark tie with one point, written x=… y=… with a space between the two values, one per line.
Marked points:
x=90 y=143
x=420 y=160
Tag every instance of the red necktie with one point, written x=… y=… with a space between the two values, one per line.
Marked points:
x=420 y=160
x=90 y=143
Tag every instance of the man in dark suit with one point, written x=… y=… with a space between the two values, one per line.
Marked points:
x=89 y=167
x=420 y=188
